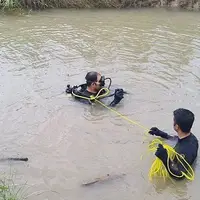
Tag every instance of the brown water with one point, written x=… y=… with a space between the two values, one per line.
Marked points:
x=153 y=54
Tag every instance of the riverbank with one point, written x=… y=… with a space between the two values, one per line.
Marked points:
x=119 y=4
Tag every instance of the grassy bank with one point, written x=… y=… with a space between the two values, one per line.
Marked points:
x=41 y=4
x=10 y=191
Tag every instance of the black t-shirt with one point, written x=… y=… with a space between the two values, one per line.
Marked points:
x=188 y=148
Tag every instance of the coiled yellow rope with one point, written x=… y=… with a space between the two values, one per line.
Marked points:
x=157 y=169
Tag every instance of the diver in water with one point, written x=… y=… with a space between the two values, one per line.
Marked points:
x=94 y=88
x=187 y=144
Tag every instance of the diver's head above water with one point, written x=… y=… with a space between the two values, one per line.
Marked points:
x=94 y=81
x=95 y=87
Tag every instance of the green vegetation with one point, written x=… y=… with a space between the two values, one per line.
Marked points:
x=10 y=3
x=41 y=4
x=9 y=190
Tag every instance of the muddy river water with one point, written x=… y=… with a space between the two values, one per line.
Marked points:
x=152 y=54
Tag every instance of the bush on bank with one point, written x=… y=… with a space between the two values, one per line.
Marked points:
x=41 y=4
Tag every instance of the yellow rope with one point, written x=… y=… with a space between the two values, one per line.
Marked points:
x=157 y=169
x=98 y=96
x=124 y=117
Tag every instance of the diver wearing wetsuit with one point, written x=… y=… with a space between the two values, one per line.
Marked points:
x=94 y=86
x=187 y=143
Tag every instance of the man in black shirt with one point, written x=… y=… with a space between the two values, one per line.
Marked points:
x=187 y=143
x=94 y=83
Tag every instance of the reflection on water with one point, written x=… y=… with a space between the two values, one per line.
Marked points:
x=152 y=54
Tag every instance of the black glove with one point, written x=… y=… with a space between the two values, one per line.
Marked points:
x=157 y=132
x=161 y=153
x=69 y=89
x=118 y=96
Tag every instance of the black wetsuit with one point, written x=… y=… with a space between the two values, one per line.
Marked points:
x=188 y=148
x=84 y=93
x=111 y=99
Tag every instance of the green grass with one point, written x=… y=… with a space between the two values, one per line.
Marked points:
x=9 y=190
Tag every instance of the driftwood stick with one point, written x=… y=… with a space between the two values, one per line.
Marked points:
x=102 y=179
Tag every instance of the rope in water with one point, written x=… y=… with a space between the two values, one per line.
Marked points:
x=157 y=169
